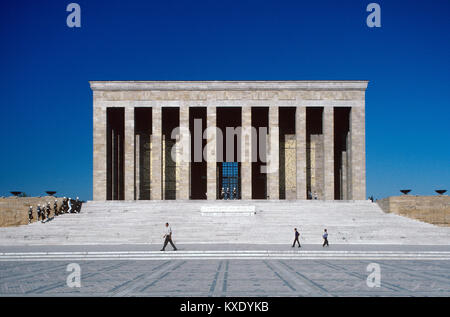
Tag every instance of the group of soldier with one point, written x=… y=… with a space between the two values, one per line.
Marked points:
x=227 y=195
x=68 y=205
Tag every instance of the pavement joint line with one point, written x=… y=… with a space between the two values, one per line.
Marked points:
x=363 y=277
x=119 y=289
x=322 y=290
x=415 y=274
x=156 y=272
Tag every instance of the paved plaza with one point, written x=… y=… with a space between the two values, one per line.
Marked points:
x=225 y=270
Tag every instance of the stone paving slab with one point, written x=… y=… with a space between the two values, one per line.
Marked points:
x=226 y=278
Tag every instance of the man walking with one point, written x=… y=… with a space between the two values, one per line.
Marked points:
x=168 y=238
x=297 y=234
x=325 y=238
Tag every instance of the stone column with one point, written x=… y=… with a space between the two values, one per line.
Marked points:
x=211 y=151
x=358 y=153
x=328 y=153
x=156 y=154
x=273 y=172
x=246 y=153
x=113 y=165
x=129 y=154
x=300 y=133
x=349 y=163
x=183 y=155
x=344 y=176
x=137 y=160
x=99 y=150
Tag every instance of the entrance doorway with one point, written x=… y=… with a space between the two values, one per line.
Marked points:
x=230 y=180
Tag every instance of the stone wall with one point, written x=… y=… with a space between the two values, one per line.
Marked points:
x=14 y=210
x=288 y=180
x=238 y=96
x=315 y=177
x=431 y=209
x=143 y=161
x=170 y=170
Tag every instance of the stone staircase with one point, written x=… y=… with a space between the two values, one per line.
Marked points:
x=137 y=222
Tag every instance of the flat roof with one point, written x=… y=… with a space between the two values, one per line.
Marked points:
x=231 y=85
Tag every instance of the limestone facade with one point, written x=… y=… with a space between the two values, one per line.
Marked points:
x=431 y=209
x=322 y=157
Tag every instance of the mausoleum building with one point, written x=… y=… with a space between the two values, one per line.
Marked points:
x=186 y=140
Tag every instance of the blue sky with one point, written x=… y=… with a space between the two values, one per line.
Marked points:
x=46 y=102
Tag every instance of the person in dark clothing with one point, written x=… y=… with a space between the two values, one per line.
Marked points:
x=39 y=212
x=77 y=205
x=30 y=214
x=55 y=208
x=48 y=209
x=64 y=207
x=297 y=235
x=325 y=238
x=234 y=193
x=168 y=238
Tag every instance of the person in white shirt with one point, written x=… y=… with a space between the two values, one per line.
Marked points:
x=168 y=237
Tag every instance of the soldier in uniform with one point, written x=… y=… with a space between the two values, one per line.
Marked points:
x=55 y=207
x=30 y=214
x=78 y=205
x=222 y=194
x=234 y=193
x=228 y=193
x=38 y=212
x=64 y=205
x=41 y=213
x=48 y=210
